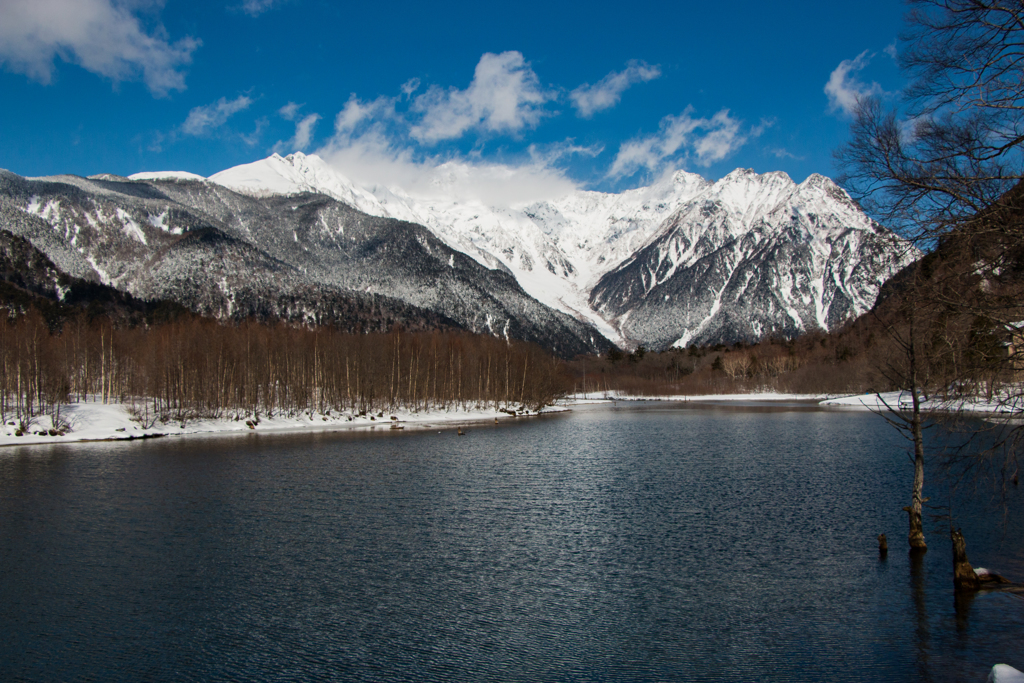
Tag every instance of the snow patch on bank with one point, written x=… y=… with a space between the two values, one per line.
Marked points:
x=1004 y=673
x=903 y=400
x=114 y=421
x=596 y=396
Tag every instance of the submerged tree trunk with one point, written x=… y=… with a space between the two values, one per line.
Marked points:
x=916 y=534
x=964 y=577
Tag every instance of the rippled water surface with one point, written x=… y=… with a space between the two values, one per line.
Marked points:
x=663 y=543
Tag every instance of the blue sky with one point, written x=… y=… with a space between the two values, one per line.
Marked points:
x=597 y=95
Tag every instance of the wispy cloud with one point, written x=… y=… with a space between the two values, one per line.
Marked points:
x=371 y=145
x=782 y=153
x=890 y=50
x=394 y=141
x=156 y=142
x=357 y=113
x=845 y=90
x=551 y=154
x=410 y=86
x=374 y=159
x=680 y=137
x=304 y=131
x=101 y=36
x=505 y=96
x=254 y=8
x=722 y=138
x=606 y=93
x=289 y=111
x=303 y=128
x=252 y=139
x=203 y=120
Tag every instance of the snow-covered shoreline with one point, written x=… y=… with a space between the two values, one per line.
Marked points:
x=902 y=400
x=113 y=421
x=873 y=402
x=605 y=396
x=94 y=421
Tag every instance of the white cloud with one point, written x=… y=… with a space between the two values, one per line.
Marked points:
x=783 y=153
x=303 y=128
x=890 y=50
x=505 y=96
x=254 y=8
x=709 y=140
x=385 y=142
x=589 y=99
x=254 y=137
x=723 y=138
x=372 y=158
x=365 y=150
x=101 y=36
x=356 y=113
x=373 y=161
x=202 y=120
x=844 y=89
x=289 y=111
x=552 y=153
x=410 y=86
x=497 y=184
x=304 y=131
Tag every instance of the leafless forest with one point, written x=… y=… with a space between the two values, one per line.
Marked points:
x=956 y=354
x=813 y=363
x=198 y=368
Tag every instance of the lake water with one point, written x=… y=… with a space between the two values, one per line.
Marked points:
x=660 y=543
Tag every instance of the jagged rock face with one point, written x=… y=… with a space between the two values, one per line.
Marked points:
x=231 y=255
x=751 y=257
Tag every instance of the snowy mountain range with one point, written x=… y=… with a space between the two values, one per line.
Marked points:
x=306 y=258
x=683 y=261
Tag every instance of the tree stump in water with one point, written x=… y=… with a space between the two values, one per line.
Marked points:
x=964 y=578
x=916 y=535
x=883 y=546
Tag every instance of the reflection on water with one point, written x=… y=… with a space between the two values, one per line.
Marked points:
x=918 y=580
x=662 y=543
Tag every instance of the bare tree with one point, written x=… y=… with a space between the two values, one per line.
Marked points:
x=950 y=146
x=737 y=365
x=943 y=164
x=904 y=370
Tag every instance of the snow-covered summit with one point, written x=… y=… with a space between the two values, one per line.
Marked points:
x=165 y=175
x=294 y=174
x=750 y=255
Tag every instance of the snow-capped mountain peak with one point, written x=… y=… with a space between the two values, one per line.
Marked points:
x=294 y=174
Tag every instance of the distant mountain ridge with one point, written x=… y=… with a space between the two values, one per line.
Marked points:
x=306 y=258
x=683 y=261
